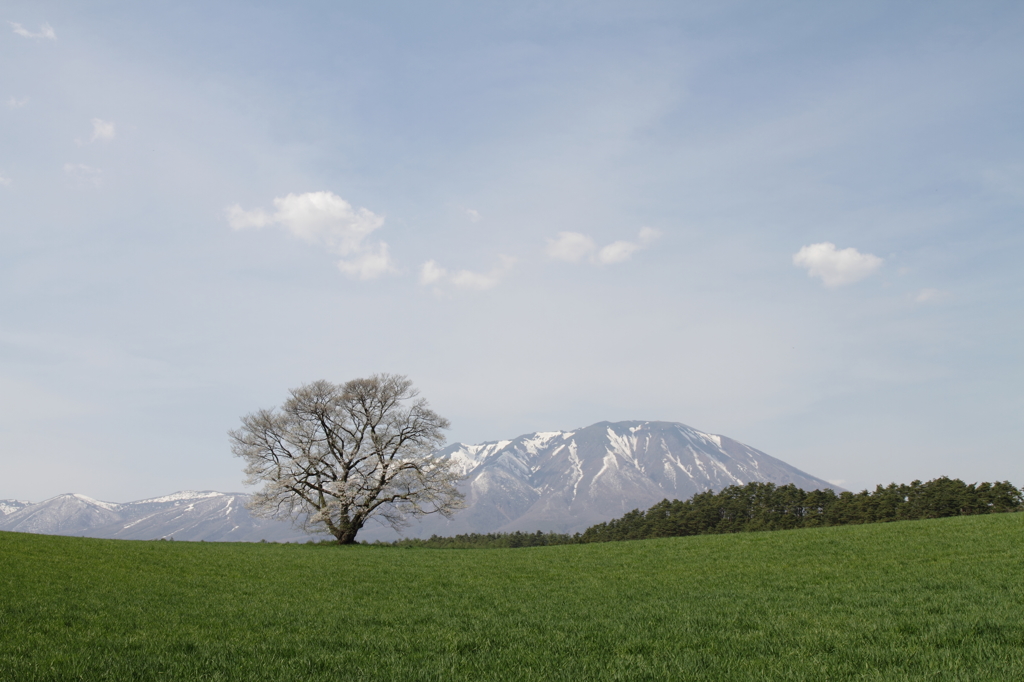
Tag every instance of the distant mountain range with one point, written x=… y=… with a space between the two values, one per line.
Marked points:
x=562 y=481
x=187 y=515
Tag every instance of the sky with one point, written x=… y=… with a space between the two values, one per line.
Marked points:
x=795 y=224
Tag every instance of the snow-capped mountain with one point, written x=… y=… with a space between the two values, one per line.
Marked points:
x=563 y=481
x=186 y=515
x=566 y=481
x=62 y=515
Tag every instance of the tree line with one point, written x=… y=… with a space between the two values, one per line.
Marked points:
x=765 y=506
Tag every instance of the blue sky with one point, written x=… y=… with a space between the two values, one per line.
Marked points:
x=795 y=224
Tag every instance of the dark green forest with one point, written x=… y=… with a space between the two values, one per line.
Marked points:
x=766 y=506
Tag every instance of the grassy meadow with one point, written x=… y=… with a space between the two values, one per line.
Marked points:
x=919 y=600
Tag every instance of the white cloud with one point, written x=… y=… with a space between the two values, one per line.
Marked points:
x=45 y=31
x=836 y=268
x=928 y=295
x=433 y=274
x=648 y=235
x=325 y=219
x=84 y=174
x=466 y=279
x=574 y=246
x=477 y=280
x=570 y=246
x=4 y=181
x=239 y=219
x=16 y=102
x=616 y=252
x=102 y=130
x=369 y=265
x=474 y=215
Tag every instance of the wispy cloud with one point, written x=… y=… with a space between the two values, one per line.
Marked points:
x=369 y=264
x=102 y=130
x=573 y=247
x=84 y=174
x=5 y=181
x=45 y=31
x=836 y=267
x=474 y=215
x=325 y=219
x=929 y=296
x=16 y=102
x=432 y=274
x=616 y=252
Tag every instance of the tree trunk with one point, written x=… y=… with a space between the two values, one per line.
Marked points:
x=346 y=535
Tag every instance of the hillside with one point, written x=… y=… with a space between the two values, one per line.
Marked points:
x=928 y=600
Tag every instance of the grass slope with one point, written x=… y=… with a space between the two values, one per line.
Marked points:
x=922 y=600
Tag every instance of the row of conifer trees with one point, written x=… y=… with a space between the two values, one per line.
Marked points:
x=766 y=506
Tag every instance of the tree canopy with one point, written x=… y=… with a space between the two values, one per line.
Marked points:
x=335 y=456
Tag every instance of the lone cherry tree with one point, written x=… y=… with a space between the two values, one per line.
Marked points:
x=335 y=456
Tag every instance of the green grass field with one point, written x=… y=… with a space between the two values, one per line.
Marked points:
x=920 y=600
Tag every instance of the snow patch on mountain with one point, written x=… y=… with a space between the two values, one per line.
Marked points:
x=111 y=506
x=11 y=506
x=181 y=495
x=717 y=440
